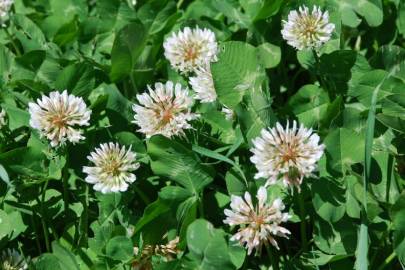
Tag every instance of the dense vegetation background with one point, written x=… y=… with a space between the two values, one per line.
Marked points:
x=350 y=214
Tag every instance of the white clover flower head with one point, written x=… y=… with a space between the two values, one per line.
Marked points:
x=257 y=225
x=190 y=49
x=165 y=110
x=5 y=6
x=11 y=259
x=229 y=113
x=305 y=30
x=289 y=154
x=203 y=85
x=58 y=116
x=2 y=118
x=113 y=167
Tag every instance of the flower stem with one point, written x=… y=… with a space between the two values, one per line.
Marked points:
x=303 y=228
x=35 y=230
x=201 y=205
x=273 y=257
x=43 y=217
x=322 y=83
x=179 y=4
x=387 y=261
x=142 y=195
x=84 y=218
x=65 y=178
x=17 y=50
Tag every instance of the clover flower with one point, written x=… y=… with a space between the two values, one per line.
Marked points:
x=305 y=30
x=203 y=85
x=113 y=167
x=190 y=49
x=165 y=110
x=168 y=252
x=229 y=113
x=257 y=225
x=11 y=259
x=2 y=118
x=288 y=154
x=58 y=117
x=5 y=6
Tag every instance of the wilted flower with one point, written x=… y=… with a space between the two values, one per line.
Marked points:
x=288 y=154
x=190 y=49
x=11 y=259
x=229 y=113
x=57 y=117
x=305 y=30
x=258 y=225
x=203 y=85
x=168 y=252
x=2 y=118
x=164 y=110
x=5 y=6
x=113 y=168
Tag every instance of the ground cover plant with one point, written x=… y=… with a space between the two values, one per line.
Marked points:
x=206 y=134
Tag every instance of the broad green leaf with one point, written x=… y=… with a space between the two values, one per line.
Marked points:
x=328 y=199
x=128 y=45
x=16 y=117
x=388 y=57
x=236 y=71
x=208 y=245
x=120 y=248
x=398 y=217
x=6 y=61
x=342 y=68
x=29 y=34
x=67 y=34
x=371 y=10
x=48 y=261
x=344 y=148
x=4 y=175
x=78 y=79
x=261 y=9
x=309 y=104
x=157 y=218
x=338 y=238
x=401 y=18
x=65 y=256
x=364 y=88
x=394 y=105
x=174 y=160
x=395 y=123
x=62 y=13
x=231 y=10
x=269 y=55
x=6 y=226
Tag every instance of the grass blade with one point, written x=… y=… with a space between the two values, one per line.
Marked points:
x=362 y=245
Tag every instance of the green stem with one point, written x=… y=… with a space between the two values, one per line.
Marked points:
x=179 y=4
x=318 y=71
x=387 y=261
x=34 y=225
x=201 y=205
x=84 y=218
x=43 y=216
x=142 y=195
x=17 y=50
x=133 y=84
x=65 y=178
x=303 y=227
x=273 y=257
